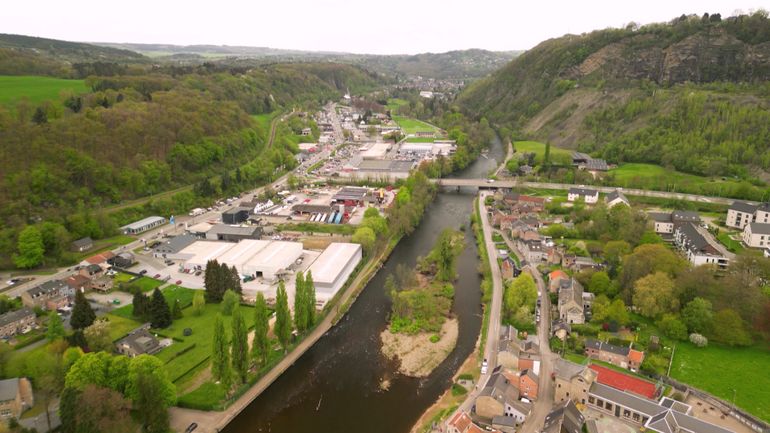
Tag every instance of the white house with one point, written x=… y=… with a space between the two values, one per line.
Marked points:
x=699 y=246
x=740 y=214
x=615 y=198
x=590 y=196
x=757 y=235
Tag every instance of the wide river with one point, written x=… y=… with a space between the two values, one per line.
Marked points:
x=335 y=386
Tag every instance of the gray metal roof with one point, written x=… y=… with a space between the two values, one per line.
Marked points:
x=176 y=244
x=583 y=191
x=564 y=418
x=760 y=229
x=678 y=216
x=661 y=217
x=226 y=229
x=144 y=222
x=617 y=194
x=9 y=388
x=742 y=206
x=671 y=421
x=13 y=316
x=47 y=287
x=84 y=242
x=607 y=347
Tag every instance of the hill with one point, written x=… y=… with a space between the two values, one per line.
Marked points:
x=691 y=93
x=463 y=64
x=73 y=52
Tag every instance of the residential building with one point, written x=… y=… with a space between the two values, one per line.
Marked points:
x=586 y=162
x=81 y=245
x=50 y=295
x=700 y=247
x=528 y=384
x=615 y=198
x=571 y=308
x=740 y=213
x=15 y=397
x=16 y=322
x=462 y=423
x=78 y=283
x=143 y=225
x=621 y=356
x=757 y=235
x=666 y=223
x=138 y=342
x=564 y=418
x=589 y=196
x=554 y=280
x=123 y=260
x=572 y=381
x=91 y=271
x=98 y=259
x=518 y=354
x=499 y=395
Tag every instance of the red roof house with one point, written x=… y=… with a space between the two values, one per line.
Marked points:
x=623 y=382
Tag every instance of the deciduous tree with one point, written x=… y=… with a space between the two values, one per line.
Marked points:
x=199 y=301
x=300 y=303
x=220 y=356
x=698 y=315
x=30 y=248
x=261 y=344
x=654 y=295
x=98 y=336
x=730 y=329
x=229 y=302
x=55 y=329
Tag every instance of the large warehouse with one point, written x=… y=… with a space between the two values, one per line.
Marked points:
x=242 y=252
x=143 y=225
x=277 y=256
x=201 y=252
x=333 y=267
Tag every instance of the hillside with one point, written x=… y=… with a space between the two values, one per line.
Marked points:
x=73 y=52
x=691 y=93
x=464 y=64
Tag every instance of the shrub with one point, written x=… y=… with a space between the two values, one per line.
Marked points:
x=698 y=340
x=465 y=376
x=434 y=338
x=458 y=390
x=587 y=330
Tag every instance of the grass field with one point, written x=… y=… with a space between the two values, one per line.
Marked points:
x=394 y=103
x=420 y=139
x=120 y=326
x=36 y=89
x=731 y=244
x=558 y=155
x=171 y=293
x=651 y=176
x=411 y=126
x=122 y=277
x=147 y=284
x=720 y=370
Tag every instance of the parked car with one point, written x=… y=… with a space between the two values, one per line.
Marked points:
x=191 y=427
x=143 y=271
x=178 y=282
x=157 y=276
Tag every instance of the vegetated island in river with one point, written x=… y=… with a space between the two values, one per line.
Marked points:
x=421 y=332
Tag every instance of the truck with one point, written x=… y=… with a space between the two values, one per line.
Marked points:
x=197 y=211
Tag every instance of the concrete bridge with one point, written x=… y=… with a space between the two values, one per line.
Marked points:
x=514 y=183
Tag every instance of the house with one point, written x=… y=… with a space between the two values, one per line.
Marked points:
x=306 y=131
x=615 y=198
x=621 y=356
x=508 y=269
x=740 y=213
x=528 y=384
x=138 y=342
x=50 y=295
x=499 y=395
x=123 y=260
x=666 y=223
x=578 y=263
x=81 y=245
x=572 y=381
x=98 y=259
x=757 y=235
x=91 y=271
x=571 y=309
x=560 y=329
x=554 y=279
x=16 y=322
x=78 y=283
x=700 y=247
x=518 y=354
x=530 y=236
x=564 y=418
x=589 y=196
x=15 y=397
x=462 y=423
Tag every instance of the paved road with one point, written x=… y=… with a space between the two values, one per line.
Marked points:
x=484 y=183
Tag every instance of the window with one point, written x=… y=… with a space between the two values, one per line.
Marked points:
x=635 y=417
x=608 y=406
x=591 y=399
x=626 y=413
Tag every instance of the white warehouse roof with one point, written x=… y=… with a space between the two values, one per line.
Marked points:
x=242 y=252
x=278 y=255
x=202 y=251
x=333 y=267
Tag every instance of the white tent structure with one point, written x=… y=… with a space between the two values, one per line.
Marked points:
x=273 y=258
x=333 y=267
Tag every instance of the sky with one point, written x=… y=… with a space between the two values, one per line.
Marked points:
x=384 y=27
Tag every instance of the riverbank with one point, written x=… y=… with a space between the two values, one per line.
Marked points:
x=420 y=354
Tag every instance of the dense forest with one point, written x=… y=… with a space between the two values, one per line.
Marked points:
x=63 y=161
x=690 y=94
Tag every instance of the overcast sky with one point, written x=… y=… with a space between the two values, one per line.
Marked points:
x=381 y=27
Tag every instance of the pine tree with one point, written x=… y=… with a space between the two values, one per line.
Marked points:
x=82 y=314
x=240 y=345
x=141 y=305
x=160 y=314
x=220 y=358
x=176 y=312
x=282 y=316
x=310 y=300
x=235 y=281
x=213 y=282
x=300 y=299
x=260 y=345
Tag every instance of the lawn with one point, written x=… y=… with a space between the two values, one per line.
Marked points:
x=394 y=104
x=558 y=155
x=36 y=89
x=196 y=347
x=171 y=293
x=721 y=369
x=120 y=326
x=103 y=245
x=122 y=277
x=147 y=284
x=411 y=126
x=263 y=120
x=420 y=139
x=731 y=244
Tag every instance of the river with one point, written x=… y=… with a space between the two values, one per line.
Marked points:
x=334 y=386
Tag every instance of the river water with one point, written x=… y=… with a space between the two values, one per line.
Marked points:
x=334 y=386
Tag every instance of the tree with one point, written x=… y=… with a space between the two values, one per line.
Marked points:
x=101 y=409
x=654 y=295
x=98 y=336
x=229 y=302
x=176 y=311
x=311 y=299
x=521 y=292
x=141 y=305
x=30 y=248
x=90 y=369
x=730 y=329
x=82 y=313
x=614 y=251
x=160 y=314
x=698 y=340
x=366 y=237
x=647 y=259
x=600 y=283
x=220 y=356
x=698 y=315
x=282 y=316
x=605 y=311
x=261 y=344
x=240 y=345
x=199 y=301
x=213 y=282
x=55 y=329
x=150 y=405
x=150 y=366
x=300 y=303
x=672 y=327
x=68 y=409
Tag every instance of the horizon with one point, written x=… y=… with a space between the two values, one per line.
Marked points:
x=339 y=27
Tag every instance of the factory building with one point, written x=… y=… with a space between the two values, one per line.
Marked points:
x=271 y=260
x=143 y=225
x=198 y=254
x=242 y=252
x=333 y=267
x=224 y=232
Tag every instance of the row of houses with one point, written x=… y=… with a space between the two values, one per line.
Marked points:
x=754 y=220
x=689 y=235
x=591 y=196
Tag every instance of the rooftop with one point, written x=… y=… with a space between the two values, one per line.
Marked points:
x=583 y=191
x=13 y=316
x=225 y=229
x=176 y=243
x=144 y=222
x=742 y=206
x=9 y=388
x=623 y=382
x=330 y=263
x=759 y=228
x=203 y=251
x=242 y=252
x=606 y=347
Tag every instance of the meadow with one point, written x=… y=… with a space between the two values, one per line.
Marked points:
x=36 y=89
x=558 y=155
x=411 y=126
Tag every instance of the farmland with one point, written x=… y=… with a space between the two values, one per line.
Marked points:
x=36 y=89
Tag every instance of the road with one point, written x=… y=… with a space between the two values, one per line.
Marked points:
x=484 y=183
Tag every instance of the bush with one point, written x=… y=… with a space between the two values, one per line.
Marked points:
x=458 y=390
x=465 y=376
x=586 y=330
x=699 y=340
x=619 y=342
x=434 y=338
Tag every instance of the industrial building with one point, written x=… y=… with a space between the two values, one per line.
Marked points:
x=333 y=267
x=236 y=215
x=198 y=254
x=199 y=230
x=170 y=248
x=351 y=196
x=274 y=258
x=242 y=252
x=143 y=225
x=224 y=232
x=375 y=150
x=384 y=169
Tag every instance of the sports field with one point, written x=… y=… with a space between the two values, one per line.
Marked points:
x=411 y=126
x=36 y=89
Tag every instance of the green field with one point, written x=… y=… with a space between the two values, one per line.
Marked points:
x=171 y=293
x=731 y=244
x=394 y=103
x=558 y=155
x=721 y=369
x=411 y=126
x=36 y=89
x=651 y=176
x=420 y=139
